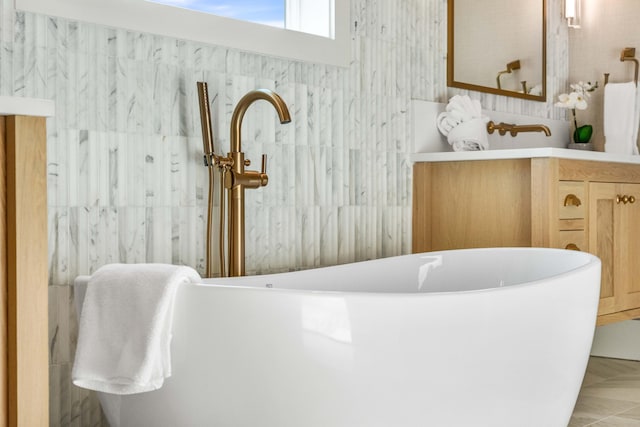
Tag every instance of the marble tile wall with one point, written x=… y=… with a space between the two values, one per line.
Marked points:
x=125 y=175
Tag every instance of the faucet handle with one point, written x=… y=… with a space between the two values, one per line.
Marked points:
x=254 y=179
x=264 y=178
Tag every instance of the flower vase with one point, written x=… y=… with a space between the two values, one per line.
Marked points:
x=581 y=137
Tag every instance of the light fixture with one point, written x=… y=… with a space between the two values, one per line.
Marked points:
x=572 y=13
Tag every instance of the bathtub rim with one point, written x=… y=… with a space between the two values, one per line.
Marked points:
x=590 y=260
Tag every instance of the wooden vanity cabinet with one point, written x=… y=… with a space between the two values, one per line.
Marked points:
x=540 y=202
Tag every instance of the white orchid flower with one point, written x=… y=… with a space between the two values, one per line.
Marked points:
x=563 y=101
x=578 y=100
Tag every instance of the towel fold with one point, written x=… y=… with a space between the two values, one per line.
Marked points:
x=125 y=327
x=463 y=124
x=620 y=118
x=469 y=136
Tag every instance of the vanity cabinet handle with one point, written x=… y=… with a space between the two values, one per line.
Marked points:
x=572 y=200
x=625 y=199
x=572 y=247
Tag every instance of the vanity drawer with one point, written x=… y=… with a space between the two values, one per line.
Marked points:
x=571 y=224
x=576 y=239
x=572 y=202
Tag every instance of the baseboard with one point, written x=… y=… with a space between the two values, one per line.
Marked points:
x=619 y=340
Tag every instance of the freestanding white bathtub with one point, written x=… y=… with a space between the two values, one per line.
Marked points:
x=480 y=337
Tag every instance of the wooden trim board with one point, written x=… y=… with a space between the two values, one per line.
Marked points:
x=4 y=327
x=27 y=260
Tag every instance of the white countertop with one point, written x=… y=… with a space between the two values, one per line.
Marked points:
x=524 y=153
x=19 y=106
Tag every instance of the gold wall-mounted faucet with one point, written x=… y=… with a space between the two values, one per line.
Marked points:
x=513 y=130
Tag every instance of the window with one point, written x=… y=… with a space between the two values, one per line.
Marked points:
x=266 y=12
x=326 y=23
x=307 y=16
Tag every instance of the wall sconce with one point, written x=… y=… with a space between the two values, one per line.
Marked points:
x=572 y=13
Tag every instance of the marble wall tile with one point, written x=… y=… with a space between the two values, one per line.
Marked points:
x=60 y=300
x=59 y=394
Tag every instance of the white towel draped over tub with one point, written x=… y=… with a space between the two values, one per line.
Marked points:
x=125 y=327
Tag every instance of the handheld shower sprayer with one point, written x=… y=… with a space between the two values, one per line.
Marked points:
x=205 y=120
x=211 y=160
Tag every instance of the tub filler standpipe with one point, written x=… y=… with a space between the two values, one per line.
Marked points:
x=233 y=176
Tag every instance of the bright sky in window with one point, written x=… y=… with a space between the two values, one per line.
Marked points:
x=267 y=12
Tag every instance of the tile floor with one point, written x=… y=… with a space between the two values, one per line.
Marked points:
x=610 y=395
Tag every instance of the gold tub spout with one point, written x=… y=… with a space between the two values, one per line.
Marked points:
x=237 y=178
x=513 y=130
x=245 y=102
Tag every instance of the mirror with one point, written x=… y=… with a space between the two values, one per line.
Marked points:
x=498 y=46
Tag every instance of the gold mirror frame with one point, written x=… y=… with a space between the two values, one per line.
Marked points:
x=451 y=82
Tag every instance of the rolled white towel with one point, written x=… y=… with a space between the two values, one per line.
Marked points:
x=464 y=105
x=446 y=122
x=470 y=106
x=460 y=109
x=470 y=136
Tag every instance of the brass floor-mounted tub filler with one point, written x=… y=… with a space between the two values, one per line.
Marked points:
x=234 y=179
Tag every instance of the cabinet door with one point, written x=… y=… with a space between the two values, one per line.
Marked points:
x=629 y=236
x=602 y=225
x=614 y=236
